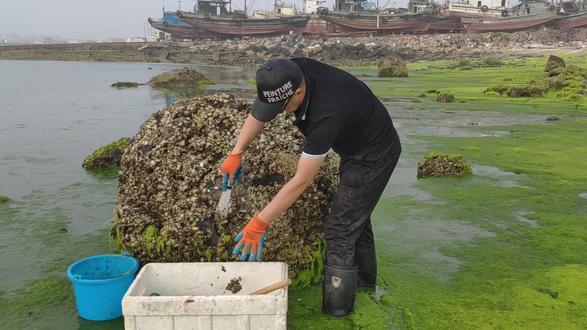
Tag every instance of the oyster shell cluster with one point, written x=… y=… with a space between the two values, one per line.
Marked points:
x=169 y=186
x=441 y=164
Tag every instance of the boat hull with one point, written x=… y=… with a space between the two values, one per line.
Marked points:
x=446 y=24
x=507 y=24
x=354 y=22
x=226 y=26
x=177 y=31
x=571 y=21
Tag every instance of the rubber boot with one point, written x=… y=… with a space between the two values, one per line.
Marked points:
x=339 y=289
x=367 y=265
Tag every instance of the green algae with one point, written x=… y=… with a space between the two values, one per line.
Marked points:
x=312 y=273
x=469 y=85
x=154 y=241
x=499 y=283
x=107 y=155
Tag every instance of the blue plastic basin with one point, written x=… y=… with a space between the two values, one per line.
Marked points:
x=100 y=282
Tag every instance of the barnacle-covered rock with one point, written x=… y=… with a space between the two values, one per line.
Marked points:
x=169 y=186
x=392 y=66
x=439 y=164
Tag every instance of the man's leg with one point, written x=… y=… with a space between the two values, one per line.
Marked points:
x=366 y=258
x=361 y=185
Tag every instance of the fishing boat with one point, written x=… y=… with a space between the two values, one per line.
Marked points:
x=507 y=24
x=356 y=16
x=439 y=23
x=480 y=9
x=526 y=15
x=571 y=14
x=212 y=17
x=175 y=26
x=571 y=21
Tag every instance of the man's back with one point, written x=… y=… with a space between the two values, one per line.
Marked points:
x=340 y=102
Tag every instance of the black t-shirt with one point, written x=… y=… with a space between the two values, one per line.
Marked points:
x=340 y=112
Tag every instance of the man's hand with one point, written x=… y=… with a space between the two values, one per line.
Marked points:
x=231 y=169
x=250 y=240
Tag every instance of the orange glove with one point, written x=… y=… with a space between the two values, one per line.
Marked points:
x=231 y=169
x=250 y=240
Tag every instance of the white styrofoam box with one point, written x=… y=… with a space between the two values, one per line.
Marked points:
x=194 y=296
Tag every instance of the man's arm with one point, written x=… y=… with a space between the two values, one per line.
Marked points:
x=307 y=169
x=249 y=132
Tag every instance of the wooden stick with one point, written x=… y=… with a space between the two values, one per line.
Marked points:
x=273 y=287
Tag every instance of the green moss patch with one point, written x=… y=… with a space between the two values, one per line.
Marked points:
x=108 y=155
x=179 y=78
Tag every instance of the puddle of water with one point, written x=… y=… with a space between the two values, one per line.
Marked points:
x=419 y=240
x=436 y=122
x=499 y=177
x=402 y=181
x=522 y=216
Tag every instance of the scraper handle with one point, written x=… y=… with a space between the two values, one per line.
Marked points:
x=273 y=287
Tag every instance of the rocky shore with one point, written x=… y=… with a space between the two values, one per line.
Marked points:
x=342 y=51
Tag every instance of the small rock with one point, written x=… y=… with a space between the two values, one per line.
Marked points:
x=179 y=78
x=125 y=84
x=445 y=98
x=553 y=63
x=4 y=199
x=392 y=66
x=552 y=118
x=314 y=50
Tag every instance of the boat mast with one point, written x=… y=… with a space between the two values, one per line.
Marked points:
x=163 y=7
x=179 y=5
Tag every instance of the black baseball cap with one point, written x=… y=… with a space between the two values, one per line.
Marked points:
x=277 y=80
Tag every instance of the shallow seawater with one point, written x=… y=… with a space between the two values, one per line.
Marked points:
x=52 y=115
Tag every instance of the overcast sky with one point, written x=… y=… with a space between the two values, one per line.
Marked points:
x=93 y=19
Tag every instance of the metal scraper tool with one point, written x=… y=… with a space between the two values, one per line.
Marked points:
x=224 y=202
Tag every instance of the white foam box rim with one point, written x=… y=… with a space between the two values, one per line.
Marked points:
x=199 y=288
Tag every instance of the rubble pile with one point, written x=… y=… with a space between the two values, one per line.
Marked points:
x=169 y=186
x=368 y=49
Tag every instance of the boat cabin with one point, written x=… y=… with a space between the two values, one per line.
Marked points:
x=213 y=7
x=485 y=3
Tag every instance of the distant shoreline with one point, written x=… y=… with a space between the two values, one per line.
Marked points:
x=340 y=51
